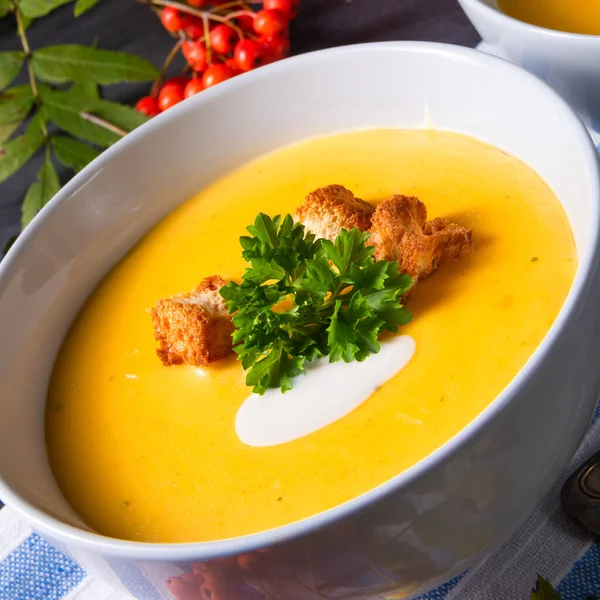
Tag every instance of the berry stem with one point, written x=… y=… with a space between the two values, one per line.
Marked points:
x=239 y=13
x=207 y=43
x=228 y=5
x=84 y=114
x=157 y=11
x=239 y=32
x=184 y=8
x=158 y=82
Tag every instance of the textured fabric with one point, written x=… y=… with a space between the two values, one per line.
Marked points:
x=35 y=570
x=584 y=578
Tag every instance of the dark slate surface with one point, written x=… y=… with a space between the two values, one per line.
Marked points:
x=128 y=26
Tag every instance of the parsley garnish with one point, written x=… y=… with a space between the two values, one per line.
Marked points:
x=304 y=298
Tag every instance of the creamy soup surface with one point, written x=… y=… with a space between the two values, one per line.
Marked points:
x=150 y=453
x=574 y=16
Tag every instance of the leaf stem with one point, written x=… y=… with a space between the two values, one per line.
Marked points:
x=21 y=31
x=28 y=57
x=88 y=116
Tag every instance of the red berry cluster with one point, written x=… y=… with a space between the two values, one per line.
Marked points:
x=219 y=40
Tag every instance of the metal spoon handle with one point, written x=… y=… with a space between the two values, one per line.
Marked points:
x=580 y=495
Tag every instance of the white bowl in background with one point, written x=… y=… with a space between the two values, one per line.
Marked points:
x=431 y=521
x=569 y=62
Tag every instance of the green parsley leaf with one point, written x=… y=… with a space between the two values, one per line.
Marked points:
x=544 y=591
x=302 y=298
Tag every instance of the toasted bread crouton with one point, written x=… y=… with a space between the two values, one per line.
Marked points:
x=458 y=240
x=193 y=328
x=400 y=232
x=328 y=210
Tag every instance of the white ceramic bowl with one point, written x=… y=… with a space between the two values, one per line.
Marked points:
x=569 y=62
x=429 y=522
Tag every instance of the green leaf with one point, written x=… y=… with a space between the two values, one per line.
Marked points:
x=278 y=247
x=341 y=336
x=544 y=591
x=9 y=243
x=15 y=153
x=319 y=276
x=87 y=89
x=40 y=192
x=70 y=62
x=39 y=8
x=265 y=230
x=82 y=6
x=10 y=66
x=26 y=21
x=274 y=370
x=349 y=248
x=64 y=109
x=6 y=6
x=124 y=117
x=7 y=129
x=15 y=104
x=73 y=154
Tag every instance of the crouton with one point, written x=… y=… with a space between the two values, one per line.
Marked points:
x=400 y=232
x=328 y=210
x=458 y=240
x=193 y=328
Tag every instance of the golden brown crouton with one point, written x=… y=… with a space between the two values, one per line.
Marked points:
x=400 y=232
x=330 y=209
x=459 y=240
x=194 y=328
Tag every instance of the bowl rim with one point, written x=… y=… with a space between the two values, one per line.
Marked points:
x=496 y=13
x=88 y=540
